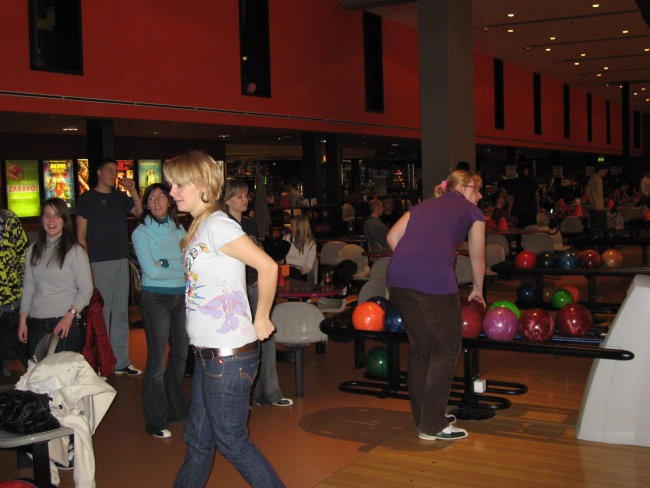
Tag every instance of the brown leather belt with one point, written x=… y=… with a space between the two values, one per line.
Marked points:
x=218 y=352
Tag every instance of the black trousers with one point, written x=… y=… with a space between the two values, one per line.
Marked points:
x=37 y=328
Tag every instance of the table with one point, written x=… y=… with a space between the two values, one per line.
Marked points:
x=508 y=268
x=385 y=253
x=603 y=244
x=297 y=289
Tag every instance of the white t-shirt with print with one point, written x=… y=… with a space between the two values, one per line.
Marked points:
x=218 y=313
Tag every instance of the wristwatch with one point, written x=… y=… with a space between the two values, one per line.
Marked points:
x=73 y=312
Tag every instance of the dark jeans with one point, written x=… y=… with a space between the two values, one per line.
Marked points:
x=218 y=417
x=38 y=328
x=432 y=323
x=9 y=338
x=598 y=220
x=163 y=317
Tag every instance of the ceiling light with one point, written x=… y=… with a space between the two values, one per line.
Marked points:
x=511 y=15
x=510 y=31
x=552 y=38
x=576 y=63
x=643 y=89
x=635 y=93
x=646 y=50
x=70 y=129
x=223 y=136
x=625 y=31
x=605 y=68
x=599 y=75
x=595 y=5
x=154 y=132
x=548 y=49
x=582 y=55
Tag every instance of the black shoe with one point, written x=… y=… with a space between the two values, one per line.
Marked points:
x=130 y=370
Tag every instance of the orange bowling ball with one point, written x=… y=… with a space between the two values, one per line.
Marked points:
x=612 y=259
x=574 y=292
x=368 y=316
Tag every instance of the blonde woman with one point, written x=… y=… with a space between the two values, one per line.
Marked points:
x=219 y=325
x=422 y=284
x=302 y=253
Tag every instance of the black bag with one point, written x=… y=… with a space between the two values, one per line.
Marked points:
x=26 y=412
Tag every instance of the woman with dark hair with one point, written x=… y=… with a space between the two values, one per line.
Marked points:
x=58 y=282
x=162 y=303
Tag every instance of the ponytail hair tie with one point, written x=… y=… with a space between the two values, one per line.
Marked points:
x=443 y=185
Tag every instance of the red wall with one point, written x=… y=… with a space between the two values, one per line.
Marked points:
x=187 y=54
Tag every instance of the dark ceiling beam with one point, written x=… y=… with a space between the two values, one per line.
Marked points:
x=368 y=4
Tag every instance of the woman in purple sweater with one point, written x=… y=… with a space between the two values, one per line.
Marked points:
x=422 y=285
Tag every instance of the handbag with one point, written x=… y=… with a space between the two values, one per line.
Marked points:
x=26 y=412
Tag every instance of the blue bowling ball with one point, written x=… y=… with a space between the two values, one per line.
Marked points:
x=381 y=301
x=526 y=293
x=393 y=320
x=568 y=260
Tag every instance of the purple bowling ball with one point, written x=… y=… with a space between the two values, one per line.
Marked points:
x=500 y=324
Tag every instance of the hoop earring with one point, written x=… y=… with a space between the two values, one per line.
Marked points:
x=204 y=198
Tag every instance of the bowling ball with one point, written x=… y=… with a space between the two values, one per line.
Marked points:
x=368 y=316
x=17 y=484
x=381 y=301
x=646 y=215
x=500 y=324
x=548 y=290
x=611 y=235
x=377 y=361
x=574 y=292
x=526 y=293
x=595 y=235
x=526 y=260
x=546 y=259
x=561 y=298
x=507 y=304
x=589 y=259
x=536 y=325
x=612 y=259
x=568 y=260
x=393 y=320
x=471 y=316
x=574 y=320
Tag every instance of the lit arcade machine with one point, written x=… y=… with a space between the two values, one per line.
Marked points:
x=615 y=404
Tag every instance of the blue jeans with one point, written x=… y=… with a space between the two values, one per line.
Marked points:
x=218 y=418
x=162 y=393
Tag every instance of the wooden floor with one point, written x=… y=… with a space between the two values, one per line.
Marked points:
x=333 y=439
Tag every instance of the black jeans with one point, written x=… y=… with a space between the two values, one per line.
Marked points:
x=433 y=326
x=9 y=338
x=38 y=328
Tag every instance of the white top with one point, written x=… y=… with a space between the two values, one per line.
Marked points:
x=218 y=313
x=304 y=260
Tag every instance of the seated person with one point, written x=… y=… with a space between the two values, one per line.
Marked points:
x=302 y=252
x=389 y=214
x=499 y=212
x=374 y=229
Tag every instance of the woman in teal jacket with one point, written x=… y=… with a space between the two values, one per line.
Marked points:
x=162 y=304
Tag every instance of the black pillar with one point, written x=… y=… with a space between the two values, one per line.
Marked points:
x=312 y=160
x=99 y=144
x=333 y=155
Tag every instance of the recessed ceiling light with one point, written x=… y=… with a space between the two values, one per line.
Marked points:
x=576 y=63
x=394 y=144
x=605 y=68
x=223 y=136
x=646 y=50
x=643 y=89
x=625 y=31
x=635 y=93
x=70 y=129
x=548 y=49
x=552 y=38
x=595 y=5
x=511 y=15
x=599 y=75
x=582 y=55
x=510 y=31
x=154 y=132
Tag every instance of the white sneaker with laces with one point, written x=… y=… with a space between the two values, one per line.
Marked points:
x=449 y=433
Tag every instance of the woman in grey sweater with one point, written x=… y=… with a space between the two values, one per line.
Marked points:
x=58 y=282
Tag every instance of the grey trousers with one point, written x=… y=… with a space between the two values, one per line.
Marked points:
x=112 y=280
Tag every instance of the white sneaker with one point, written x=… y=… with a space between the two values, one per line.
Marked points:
x=130 y=370
x=449 y=433
x=162 y=434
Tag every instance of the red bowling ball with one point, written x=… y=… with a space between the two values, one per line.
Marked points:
x=589 y=259
x=574 y=320
x=368 y=316
x=500 y=324
x=526 y=260
x=536 y=325
x=471 y=314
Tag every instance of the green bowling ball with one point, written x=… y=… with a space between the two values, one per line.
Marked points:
x=509 y=305
x=561 y=298
x=377 y=361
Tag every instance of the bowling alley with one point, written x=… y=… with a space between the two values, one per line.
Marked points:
x=325 y=243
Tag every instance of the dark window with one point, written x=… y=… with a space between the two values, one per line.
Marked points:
x=254 y=48
x=55 y=36
x=566 y=100
x=636 y=129
x=608 y=122
x=590 y=130
x=373 y=62
x=537 y=103
x=499 y=106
